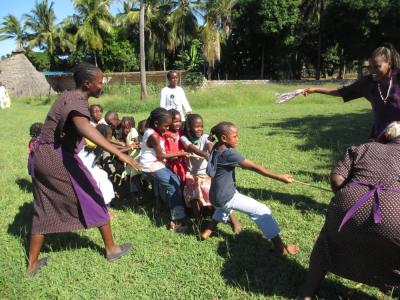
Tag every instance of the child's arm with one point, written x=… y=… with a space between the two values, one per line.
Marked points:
x=249 y=165
x=154 y=142
x=193 y=149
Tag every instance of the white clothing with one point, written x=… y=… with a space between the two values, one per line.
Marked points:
x=102 y=121
x=175 y=99
x=2 y=97
x=133 y=134
x=99 y=175
x=197 y=165
x=148 y=158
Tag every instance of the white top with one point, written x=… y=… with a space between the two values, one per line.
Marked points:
x=133 y=134
x=175 y=99
x=197 y=165
x=2 y=97
x=102 y=121
x=148 y=158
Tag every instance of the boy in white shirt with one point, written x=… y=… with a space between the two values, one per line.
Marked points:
x=173 y=96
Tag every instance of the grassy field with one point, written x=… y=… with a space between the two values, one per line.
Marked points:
x=304 y=137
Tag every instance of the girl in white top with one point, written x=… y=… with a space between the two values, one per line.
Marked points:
x=173 y=96
x=152 y=156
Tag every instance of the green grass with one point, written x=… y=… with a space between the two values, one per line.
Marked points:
x=304 y=137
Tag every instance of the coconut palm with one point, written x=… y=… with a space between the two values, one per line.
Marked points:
x=42 y=31
x=215 y=30
x=143 y=88
x=95 y=21
x=11 y=28
x=183 y=22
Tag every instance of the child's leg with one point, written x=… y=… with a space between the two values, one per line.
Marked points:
x=170 y=183
x=262 y=216
x=35 y=246
x=235 y=224
x=220 y=215
x=138 y=184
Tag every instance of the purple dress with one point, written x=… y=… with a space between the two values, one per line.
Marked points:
x=383 y=113
x=66 y=197
x=363 y=250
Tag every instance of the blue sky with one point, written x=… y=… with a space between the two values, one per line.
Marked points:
x=62 y=8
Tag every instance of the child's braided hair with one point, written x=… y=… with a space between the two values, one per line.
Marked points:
x=157 y=115
x=220 y=129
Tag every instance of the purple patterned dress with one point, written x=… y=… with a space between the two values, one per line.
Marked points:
x=363 y=250
x=66 y=197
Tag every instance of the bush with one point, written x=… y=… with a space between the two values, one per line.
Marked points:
x=193 y=80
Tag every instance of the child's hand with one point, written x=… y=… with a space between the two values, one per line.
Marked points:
x=286 y=178
x=184 y=153
x=129 y=161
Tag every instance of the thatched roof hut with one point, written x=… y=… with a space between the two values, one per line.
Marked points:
x=21 y=78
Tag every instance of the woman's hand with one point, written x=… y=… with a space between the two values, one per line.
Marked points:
x=309 y=90
x=129 y=161
x=286 y=178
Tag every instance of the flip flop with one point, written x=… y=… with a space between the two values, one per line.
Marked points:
x=41 y=263
x=125 y=249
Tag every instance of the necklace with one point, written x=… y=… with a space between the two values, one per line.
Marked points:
x=388 y=91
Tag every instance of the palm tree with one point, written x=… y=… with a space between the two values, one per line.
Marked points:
x=11 y=28
x=183 y=22
x=143 y=88
x=95 y=21
x=215 y=30
x=42 y=31
x=156 y=27
x=313 y=11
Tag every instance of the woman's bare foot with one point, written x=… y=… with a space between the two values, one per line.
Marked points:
x=34 y=268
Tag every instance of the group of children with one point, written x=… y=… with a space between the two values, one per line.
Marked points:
x=187 y=170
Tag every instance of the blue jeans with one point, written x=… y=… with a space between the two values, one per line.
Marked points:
x=257 y=211
x=167 y=186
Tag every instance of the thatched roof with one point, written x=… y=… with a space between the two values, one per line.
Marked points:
x=21 y=78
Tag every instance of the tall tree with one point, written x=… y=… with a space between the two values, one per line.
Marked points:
x=42 y=31
x=215 y=30
x=183 y=22
x=11 y=28
x=143 y=87
x=95 y=21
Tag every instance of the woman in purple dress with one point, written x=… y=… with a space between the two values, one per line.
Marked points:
x=381 y=88
x=360 y=239
x=66 y=197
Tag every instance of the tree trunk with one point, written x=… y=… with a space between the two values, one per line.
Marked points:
x=95 y=58
x=143 y=88
x=318 y=70
x=342 y=66
x=359 y=68
x=209 y=72
x=262 y=60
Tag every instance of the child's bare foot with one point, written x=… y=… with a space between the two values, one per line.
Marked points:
x=290 y=249
x=179 y=226
x=282 y=248
x=209 y=230
x=206 y=234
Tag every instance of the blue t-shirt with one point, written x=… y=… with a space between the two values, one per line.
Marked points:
x=221 y=168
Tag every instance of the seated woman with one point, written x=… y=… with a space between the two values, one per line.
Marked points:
x=360 y=239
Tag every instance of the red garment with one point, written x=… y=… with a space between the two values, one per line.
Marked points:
x=176 y=165
x=30 y=145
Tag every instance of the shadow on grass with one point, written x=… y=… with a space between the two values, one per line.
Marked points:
x=299 y=202
x=24 y=185
x=333 y=132
x=252 y=265
x=21 y=228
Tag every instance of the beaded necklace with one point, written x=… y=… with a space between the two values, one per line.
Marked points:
x=388 y=91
